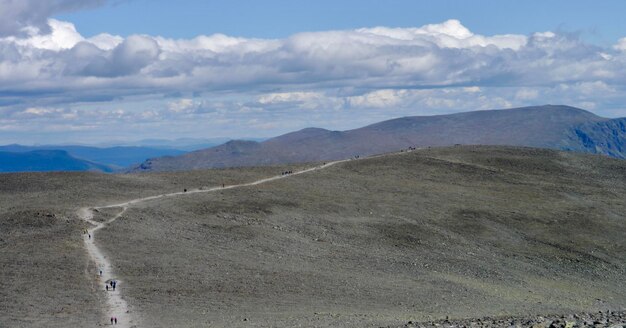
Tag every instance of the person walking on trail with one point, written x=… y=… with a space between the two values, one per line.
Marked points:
x=111 y=320
x=106 y=287
x=100 y=273
x=89 y=236
x=115 y=320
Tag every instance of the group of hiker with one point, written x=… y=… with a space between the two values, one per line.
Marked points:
x=112 y=284
x=287 y=172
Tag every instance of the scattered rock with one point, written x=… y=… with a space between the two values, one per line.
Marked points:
x=603 y=319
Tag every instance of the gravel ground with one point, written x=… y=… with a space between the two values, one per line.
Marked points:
x=460 y=232
x=46 y=279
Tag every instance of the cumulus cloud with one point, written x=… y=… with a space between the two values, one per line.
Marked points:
x=128 y=57
x=24 y=17
x=621 y=45
x=436 y=68
x=449 y=34
x=435 y=55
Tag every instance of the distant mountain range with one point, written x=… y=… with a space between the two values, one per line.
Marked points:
x=46 y=160
x=184 y=144
x=112 y=157
x=555 y=127
x=105 y=159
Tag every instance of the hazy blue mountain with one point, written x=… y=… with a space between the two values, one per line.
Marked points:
x=46 y=160
x=186 y=144
x=555 y=127
x=113 y=156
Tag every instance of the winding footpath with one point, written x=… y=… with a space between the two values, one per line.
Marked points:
x=117 y=307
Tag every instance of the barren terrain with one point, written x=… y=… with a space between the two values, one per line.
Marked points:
x=460 y=232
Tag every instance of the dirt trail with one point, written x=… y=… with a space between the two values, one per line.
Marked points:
x=195 y=191
x=117 y=306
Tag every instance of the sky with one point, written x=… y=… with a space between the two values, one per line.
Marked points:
x=98 y=71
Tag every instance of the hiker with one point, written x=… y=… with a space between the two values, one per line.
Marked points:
x=185 y=190
x=100 y=273
x=111 y=320
x=222 y=185
x=89 y=236
x=116 y=320
x=106 y=287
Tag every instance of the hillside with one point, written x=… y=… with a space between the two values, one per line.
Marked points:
x=555 y=127
x=46 y=160
x=462 y=232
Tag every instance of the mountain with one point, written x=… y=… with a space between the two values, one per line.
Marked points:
x=111 y=156
x=185 y=144
x=46 y=160
x=549 y=126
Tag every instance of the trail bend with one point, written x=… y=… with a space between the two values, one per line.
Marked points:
x=117 y=306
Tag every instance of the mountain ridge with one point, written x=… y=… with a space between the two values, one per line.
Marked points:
x=549 y=126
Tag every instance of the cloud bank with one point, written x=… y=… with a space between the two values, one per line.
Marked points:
x=316 y=77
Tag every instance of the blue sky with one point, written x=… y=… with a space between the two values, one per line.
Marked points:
x=94 y=71
x=600 y=21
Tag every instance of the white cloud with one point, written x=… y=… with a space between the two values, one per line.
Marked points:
x=20 y=17
x=440 y=55
x=525 y=94
x=449 y=34
x=106 y=41
x=180 y=105
x=379 y=99
x=436 y=68
x=596 y=87
x=298 y=100
x=63 y=35
x=621 y=45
